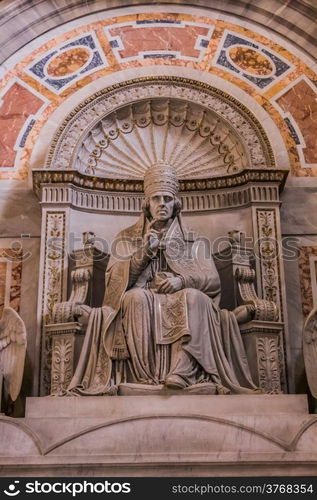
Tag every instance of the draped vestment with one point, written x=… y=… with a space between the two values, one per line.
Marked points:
x=142 y=336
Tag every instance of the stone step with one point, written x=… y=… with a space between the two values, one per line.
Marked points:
x=116 y=406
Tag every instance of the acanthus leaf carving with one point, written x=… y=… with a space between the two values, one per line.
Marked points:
x=268 y=365
x=62 y=364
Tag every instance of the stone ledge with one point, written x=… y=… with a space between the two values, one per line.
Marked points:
x=111 y=406
x=287 y=465
x=253 y=435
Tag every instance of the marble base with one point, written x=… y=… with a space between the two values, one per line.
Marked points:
x=161 y=390
x=192 y=435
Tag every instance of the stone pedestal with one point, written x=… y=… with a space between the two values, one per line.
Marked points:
x=63 y=347
x=263 y=345
x=196 y=435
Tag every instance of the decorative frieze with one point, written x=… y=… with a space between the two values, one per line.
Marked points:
x=44 y=178
x=53 y=265
x=104 y=196
x=269 y=270
x=269 y=257
x=54 y=262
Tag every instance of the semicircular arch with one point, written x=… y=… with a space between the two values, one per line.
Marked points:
x=120 y=130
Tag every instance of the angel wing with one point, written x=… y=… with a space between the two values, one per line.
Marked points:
x=310 y=350
x=12 y=351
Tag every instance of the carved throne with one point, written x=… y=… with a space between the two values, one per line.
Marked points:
x=262 y=332
x=231 y=172
x=65 y=331
x=258 y=318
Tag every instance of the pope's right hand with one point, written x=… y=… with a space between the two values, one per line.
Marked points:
x=151 y=238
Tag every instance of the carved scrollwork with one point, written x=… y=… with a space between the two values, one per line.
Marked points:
x=263 y=310
x=65 y=312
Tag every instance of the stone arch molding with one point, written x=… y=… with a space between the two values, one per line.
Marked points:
x=119 y=131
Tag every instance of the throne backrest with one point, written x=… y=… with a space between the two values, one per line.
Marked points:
x=90 y=258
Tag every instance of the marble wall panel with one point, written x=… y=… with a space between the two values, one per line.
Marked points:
x=19 y=283
x=59 y=67
x=19 y=210
x=299 y=210
x=299 y=102
x=292 y=284
x=28 y=305
x=18 y=105
x=299 y=370
x=104 y=226
x=164 y=38
x=296 y=21
x=250 y=60
x=68 y=62
x=300 y=258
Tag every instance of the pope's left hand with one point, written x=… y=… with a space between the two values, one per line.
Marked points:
x=170 y=285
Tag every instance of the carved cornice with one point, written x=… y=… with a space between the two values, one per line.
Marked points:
x=110 y=195
x=256 y=327
x=77 y=179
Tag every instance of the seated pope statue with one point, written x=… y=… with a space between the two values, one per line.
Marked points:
x=160 y=323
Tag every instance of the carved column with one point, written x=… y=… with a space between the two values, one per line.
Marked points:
x=52 y=282
x=270 y=284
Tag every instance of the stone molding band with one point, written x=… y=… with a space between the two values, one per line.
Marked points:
x=122 y=196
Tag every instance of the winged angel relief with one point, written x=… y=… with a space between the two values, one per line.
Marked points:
x=12 y=355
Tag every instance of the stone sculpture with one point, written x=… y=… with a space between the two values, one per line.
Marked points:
x=160 y=325
x=12 y=354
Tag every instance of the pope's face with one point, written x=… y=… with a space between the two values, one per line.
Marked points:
x=161 y=206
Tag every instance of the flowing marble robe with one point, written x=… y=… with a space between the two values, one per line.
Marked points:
x=142 y=336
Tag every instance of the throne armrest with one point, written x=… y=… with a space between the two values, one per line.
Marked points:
x=261 y=333
x=69 y=319
x=258 y=318
x=69 y=311
x=65 y=327
x=259 y=309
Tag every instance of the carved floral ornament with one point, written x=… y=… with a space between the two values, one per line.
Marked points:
x=120 y=131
